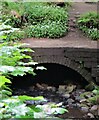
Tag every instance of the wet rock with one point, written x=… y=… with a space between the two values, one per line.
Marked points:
x=83 y=105
x=70 y=88
x=40 y=102
x=83 y=100
x=72 y=30
x=94 y=108
x=44 y=85
x=51 y=88
x=78 y=92
x=90 y=115
x=85 y=109
x=39 y=86
x=74 y=105
x=70 y=101
x=69 y=105
x=61 y=88
x=77 y=13
x=88 y=104
x=82 y=90
x=31 y=88
x=88 y=96
x=52 y=95
x=30 y=102
x=78 y=105
x=66 y=95
x=74 y=21
x=65 y=103
x=77 y=16
x=78 y=98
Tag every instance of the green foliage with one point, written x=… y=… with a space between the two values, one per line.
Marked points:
x=25 y=97
x=44 y=20
x=8 y=33
x=11 y=56
x=5 y=91
x=39 y=13
x=15 y=106
x=88 y=23
x=11 y=63
x=95 y=99
x=47 y=29
x=15 y=36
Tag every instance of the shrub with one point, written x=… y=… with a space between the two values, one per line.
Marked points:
x=38 y=15
x=88 y=23
x=8 y=33
x=47 y=29
x=15 y=36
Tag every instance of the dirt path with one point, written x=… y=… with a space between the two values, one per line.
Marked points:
x=77 y=10
x=75 y=38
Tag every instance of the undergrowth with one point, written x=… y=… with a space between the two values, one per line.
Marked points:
x=89 y=24
x=37 y=19
x=12 y=63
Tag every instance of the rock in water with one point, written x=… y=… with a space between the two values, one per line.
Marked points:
x=39 y=86
x=94 y=108
x=85 y=109
x=90 y=115
x=70 y=88
x=66 y=95
x=61 y=88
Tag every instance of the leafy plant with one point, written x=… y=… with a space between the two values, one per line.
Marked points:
x=95 y=99
x=88 y=23
x=5 y=91
x=8 y=33
x=44 y=20
x=11 y=57
x=15 y=106
x=15 y=36
x=47 y=29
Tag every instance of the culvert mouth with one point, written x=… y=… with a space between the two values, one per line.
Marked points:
x=58 y=84
x=55 y=75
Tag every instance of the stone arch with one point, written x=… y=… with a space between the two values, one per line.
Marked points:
x=65 y=62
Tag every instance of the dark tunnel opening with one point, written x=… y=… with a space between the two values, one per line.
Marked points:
x=58 y=74
x=55 y=75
